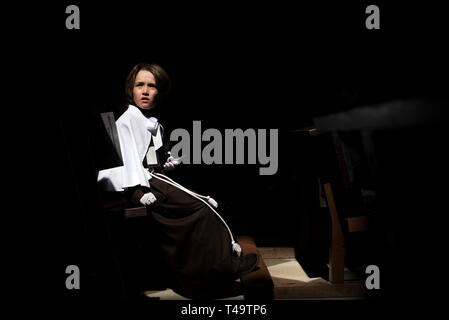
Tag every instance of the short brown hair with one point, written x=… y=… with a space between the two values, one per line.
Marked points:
x=163 y=82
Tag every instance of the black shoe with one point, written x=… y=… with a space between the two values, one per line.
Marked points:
x=247 y=264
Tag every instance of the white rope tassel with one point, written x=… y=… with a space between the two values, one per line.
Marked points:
x=210 y=203
x=236 y=248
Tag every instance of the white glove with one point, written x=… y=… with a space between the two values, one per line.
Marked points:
x=147 y=199
x=171 y=163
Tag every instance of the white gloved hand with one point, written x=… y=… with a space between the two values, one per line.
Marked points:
x=147 y=199
x=171 y=163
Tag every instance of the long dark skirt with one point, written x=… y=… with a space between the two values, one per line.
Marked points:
x=195 y=243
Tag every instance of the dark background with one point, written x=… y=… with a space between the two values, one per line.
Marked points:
x=271 y=65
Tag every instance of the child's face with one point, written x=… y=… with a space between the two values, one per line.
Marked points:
x=144 y=90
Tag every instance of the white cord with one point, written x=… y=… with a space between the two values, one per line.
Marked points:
x=178 y=185
x=235 y=246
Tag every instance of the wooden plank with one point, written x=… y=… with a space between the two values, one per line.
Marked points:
x=357 y=224
x=292 y=282
x=135 y=212
x=337 y=247
x=277 y=252
x=341 y=160
x=320 y=289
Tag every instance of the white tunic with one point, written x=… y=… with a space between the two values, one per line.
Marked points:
x=134 y=132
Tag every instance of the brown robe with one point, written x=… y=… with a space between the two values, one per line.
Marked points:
x=196 y=245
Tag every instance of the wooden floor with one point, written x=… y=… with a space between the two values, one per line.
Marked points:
x=290 y=281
